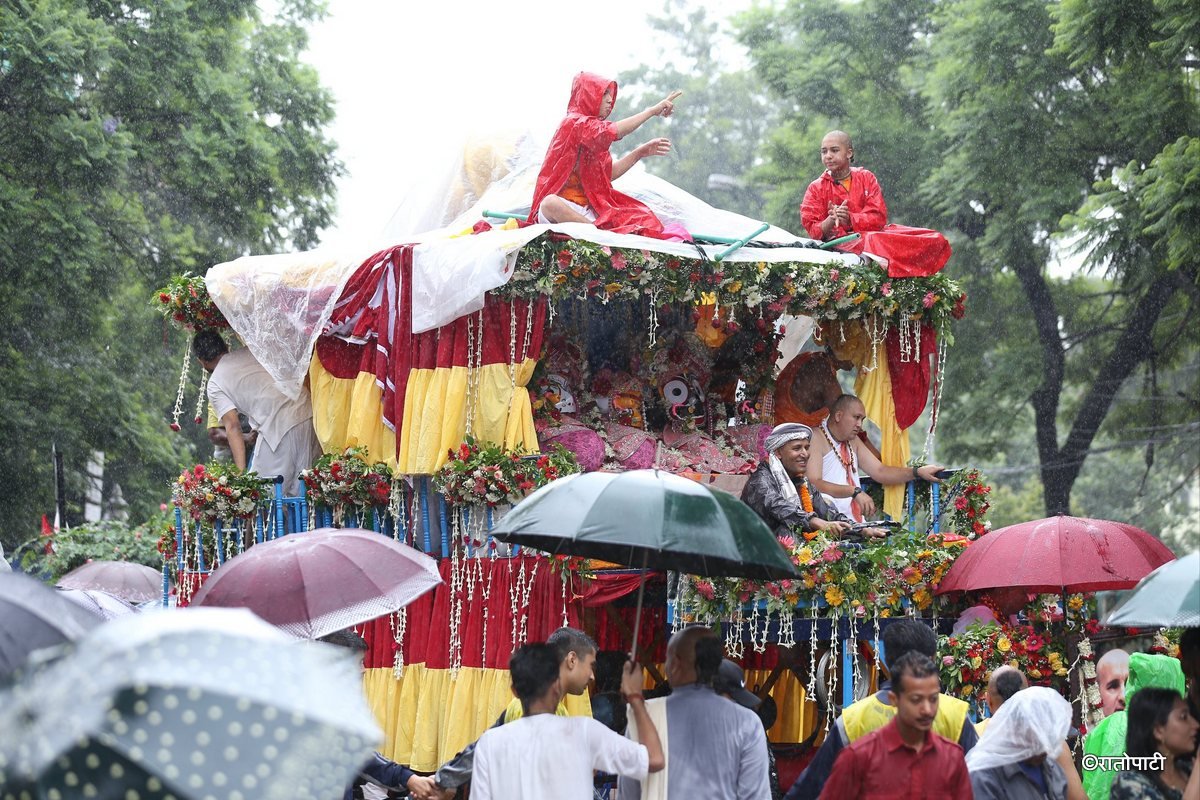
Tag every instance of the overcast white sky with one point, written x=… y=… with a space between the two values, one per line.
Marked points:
x=412 y=78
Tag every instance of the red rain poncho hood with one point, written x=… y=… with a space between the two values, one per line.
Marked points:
x=581 y=144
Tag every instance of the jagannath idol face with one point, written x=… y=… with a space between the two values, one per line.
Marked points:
x=560 y=394
x=683 y=397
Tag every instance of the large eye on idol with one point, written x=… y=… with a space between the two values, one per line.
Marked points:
x=676 y=391
x=566 y=400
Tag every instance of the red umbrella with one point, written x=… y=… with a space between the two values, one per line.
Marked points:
x=135 y=583
x=312 y=584
x=1058 y=554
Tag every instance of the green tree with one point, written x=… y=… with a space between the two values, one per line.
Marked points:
x=1002 y=124
x=137 y=140
x=721 y=119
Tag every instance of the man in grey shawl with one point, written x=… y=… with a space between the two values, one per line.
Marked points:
x=782 y=496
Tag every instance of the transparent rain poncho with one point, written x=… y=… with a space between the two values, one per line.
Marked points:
x=1033 y=722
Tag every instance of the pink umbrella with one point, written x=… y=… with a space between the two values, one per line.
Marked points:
x=136 y=583
x=312 y=584
x=1057 y=554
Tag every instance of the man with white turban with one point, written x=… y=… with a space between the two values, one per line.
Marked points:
x=1022 y=752
x=780 y=493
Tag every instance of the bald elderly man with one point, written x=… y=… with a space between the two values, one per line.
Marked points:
x=779 y=491
x=715 y=748
x=1004 y=682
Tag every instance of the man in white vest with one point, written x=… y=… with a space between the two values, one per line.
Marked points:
x=838 y=454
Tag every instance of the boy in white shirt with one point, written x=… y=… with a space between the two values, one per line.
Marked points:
x=543 y=755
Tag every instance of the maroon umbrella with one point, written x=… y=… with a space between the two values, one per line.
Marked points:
x=1057 y=554
x=135 y=583
x=312 y=584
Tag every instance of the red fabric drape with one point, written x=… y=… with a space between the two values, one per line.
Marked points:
x=910 y=380
x=608 y=586
x=370 y=330
x=427 y=631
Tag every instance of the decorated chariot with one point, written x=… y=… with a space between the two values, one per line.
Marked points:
x=454 y=373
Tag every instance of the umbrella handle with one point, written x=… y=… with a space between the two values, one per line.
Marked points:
x=637 y=617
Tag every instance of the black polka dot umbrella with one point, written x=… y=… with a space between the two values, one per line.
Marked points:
x=193 y=703
x=34 y=616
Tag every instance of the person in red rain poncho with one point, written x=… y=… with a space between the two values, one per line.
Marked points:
x=575 y=184
x=848 y=199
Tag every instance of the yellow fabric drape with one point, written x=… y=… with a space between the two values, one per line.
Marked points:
x=427 y=717
x=874 y=388
x=347 y=412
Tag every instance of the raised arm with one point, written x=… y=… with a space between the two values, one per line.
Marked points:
x=631 y=689
x=654 y=147
x=663 y=108
x=882 y=473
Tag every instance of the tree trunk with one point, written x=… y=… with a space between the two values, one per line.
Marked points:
x=1060 y=466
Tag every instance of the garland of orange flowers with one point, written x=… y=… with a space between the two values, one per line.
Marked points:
x=806 y=504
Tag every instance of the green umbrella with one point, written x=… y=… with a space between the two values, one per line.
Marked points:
x=649 y=519
x=1168 y=597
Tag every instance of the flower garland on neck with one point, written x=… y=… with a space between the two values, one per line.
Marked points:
x=834 y=445
x=807 y=504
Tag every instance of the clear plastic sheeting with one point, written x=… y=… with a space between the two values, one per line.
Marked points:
x=279 y=304
x=1033 y=722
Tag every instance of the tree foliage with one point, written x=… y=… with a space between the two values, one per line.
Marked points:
x=1055 y=143
x=137 y=140
x=721 y=118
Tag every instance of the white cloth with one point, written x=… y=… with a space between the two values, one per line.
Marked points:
x=1033 y=722
x=587 y=212
x=286 y=440
x=834 y=471
x=654 y=786
x=551 y=757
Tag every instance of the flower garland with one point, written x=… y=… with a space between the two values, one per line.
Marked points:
x=856 y=290
x=347 y=480
x=219 y=491
x=969 y=507
x=480 y=473
x=185 y=303
x=881 y=579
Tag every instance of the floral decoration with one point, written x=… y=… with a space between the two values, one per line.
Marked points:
x=348 y=479
x=882 y=578
x=219 y=491
x=558 y=266
x=185 y=303
x=967 y=502
x=484 y=473
x=968 y=658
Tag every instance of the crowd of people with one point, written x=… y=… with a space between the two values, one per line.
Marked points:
x=701 y=737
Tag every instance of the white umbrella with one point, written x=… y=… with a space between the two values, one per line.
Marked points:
x=1168 y=597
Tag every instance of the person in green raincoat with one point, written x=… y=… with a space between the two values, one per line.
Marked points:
x=1108 y=738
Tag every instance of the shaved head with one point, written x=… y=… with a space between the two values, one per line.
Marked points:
x=838 y=136
x=681 y=654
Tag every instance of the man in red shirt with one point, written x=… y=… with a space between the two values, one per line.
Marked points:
x=904 y=758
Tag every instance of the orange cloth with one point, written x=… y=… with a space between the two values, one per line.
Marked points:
x=573 y=190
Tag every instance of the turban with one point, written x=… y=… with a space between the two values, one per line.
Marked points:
x=782 y=434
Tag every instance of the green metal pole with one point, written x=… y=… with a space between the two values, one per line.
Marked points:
x=740 y=243
x=832 y=243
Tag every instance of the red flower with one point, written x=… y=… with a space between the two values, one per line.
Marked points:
x=694 y=277
x=960 y=307
x=564 y=258
x=929 y=299
x=673 y=264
